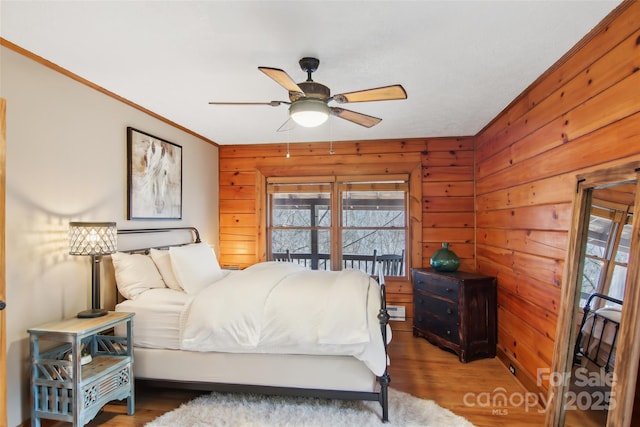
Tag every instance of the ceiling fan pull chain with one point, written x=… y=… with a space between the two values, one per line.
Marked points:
x=331 y=138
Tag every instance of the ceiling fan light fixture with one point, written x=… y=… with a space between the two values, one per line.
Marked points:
x=309 y=112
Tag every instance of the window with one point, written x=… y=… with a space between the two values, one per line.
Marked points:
x=606 y=253
x=374 y=222
x=333 y=223
x=300 y=223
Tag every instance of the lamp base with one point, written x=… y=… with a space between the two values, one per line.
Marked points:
x=94 y=312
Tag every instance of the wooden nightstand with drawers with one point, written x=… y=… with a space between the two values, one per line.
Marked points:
x=456 y=311
x=65 y=387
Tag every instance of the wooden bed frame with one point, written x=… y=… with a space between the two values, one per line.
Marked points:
x=160 y=377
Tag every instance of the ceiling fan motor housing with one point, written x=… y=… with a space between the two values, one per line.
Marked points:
x=311 y=90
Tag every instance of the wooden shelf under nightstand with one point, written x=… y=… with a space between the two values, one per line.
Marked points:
x=65 y=390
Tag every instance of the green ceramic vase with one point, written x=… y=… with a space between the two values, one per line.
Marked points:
x=444 y=259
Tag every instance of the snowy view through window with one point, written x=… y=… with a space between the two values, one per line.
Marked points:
x=372 y=222
x=601 y=250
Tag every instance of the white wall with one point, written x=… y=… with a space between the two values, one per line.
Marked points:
x=66 y=161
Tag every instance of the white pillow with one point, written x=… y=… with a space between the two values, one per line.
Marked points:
x=162 y=259
x=135 y=273
x=195 y=266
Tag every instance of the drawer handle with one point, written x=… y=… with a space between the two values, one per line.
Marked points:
x=449 y=311
x=448 y=289
x=448 y=332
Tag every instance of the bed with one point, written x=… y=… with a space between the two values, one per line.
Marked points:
x=272 y=328
x=597 y=337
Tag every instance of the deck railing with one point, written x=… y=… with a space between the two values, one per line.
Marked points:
x=366 y=263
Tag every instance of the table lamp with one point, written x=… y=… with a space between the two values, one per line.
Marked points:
x=95 y=239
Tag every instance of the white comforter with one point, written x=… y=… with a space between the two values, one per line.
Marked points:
x=276 y=307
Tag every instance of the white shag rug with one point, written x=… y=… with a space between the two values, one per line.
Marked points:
x=231 y=409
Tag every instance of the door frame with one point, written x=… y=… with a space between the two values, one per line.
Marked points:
x=3 y=331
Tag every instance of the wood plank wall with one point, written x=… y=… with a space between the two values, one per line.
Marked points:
x=442 y=201
x=581 y=116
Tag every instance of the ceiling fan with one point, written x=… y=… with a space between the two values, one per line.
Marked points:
x=309 y=100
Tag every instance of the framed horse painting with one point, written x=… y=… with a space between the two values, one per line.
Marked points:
x=154 y=175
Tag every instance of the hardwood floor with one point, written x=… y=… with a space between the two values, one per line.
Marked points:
x=467 y=389
x=417 y=367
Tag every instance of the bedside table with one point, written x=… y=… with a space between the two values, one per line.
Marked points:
x=65 y=389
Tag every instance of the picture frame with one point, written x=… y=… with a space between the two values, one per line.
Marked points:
x=154 y=177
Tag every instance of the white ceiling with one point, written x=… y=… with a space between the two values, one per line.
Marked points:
x=461 y=62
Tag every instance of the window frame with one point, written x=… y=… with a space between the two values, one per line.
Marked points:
x=303 y=185
x=619 y=216
x=338 y=184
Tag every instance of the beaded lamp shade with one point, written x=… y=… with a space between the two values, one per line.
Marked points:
x=92 y=238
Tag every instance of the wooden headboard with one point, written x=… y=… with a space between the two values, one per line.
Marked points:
x=141 y=240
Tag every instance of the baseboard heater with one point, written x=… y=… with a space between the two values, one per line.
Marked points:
x=396 y=312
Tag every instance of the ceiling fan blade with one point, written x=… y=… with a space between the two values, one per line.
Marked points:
x=286 y=126
x=385 y=93
x=282 y=78
x=357 y=118
x=271 y=103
